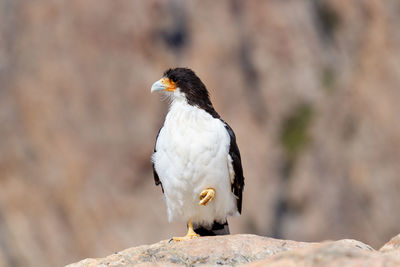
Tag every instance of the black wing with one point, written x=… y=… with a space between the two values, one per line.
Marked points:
x=238 y=182
x=155 y=174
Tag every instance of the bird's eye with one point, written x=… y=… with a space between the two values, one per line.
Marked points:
x=173 y=78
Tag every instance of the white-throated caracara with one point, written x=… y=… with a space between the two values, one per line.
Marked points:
x=196 y=159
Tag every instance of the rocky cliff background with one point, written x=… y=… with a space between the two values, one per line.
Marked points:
x=311 y=87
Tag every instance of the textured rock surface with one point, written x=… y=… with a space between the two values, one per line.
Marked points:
x=248 y=250
x=225 y=250
x=344 y=253
x=392 y=246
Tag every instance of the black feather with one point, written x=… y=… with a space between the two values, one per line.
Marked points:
x=216 y=229
x=155 y=174
x=238 y=182
x=194 y=89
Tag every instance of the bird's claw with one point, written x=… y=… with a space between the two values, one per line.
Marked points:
x=186 y=237
x=206 y=196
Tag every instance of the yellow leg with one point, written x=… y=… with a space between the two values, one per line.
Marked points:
x=206 y=196
x=190 y=234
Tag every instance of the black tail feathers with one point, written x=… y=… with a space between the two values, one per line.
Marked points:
x=216 y=229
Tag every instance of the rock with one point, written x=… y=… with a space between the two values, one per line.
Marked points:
x=221 y=250
x=344 y=253
x=392 y=246
x=249 y=250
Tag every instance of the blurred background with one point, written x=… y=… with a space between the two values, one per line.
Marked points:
x=311 y=88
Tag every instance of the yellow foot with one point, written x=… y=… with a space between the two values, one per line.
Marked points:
x=190 y=234
x=186 y=237
x=206 y=196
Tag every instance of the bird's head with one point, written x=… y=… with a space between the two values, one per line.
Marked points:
x=183 y=83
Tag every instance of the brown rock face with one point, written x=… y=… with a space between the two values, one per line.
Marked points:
x=248 y=250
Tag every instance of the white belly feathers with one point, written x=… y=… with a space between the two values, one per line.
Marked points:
x=192 y=155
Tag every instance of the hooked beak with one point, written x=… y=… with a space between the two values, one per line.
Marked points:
x=158 y=86
x=164 y=84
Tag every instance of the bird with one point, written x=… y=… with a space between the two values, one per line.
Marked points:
x=196 y=159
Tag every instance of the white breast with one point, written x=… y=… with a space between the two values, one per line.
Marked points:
x=192 y=155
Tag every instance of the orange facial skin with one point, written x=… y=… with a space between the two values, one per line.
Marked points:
x=170 y=86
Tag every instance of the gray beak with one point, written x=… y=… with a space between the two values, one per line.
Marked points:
x=157 y=86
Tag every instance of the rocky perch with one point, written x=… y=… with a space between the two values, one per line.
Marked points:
x=252 y=250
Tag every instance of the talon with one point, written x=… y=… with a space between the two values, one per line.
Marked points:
x=190 y=234
x=206 y=196
x=186 y=237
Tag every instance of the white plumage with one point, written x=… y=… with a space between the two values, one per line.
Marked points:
x=192 y=153
x=196 y=159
